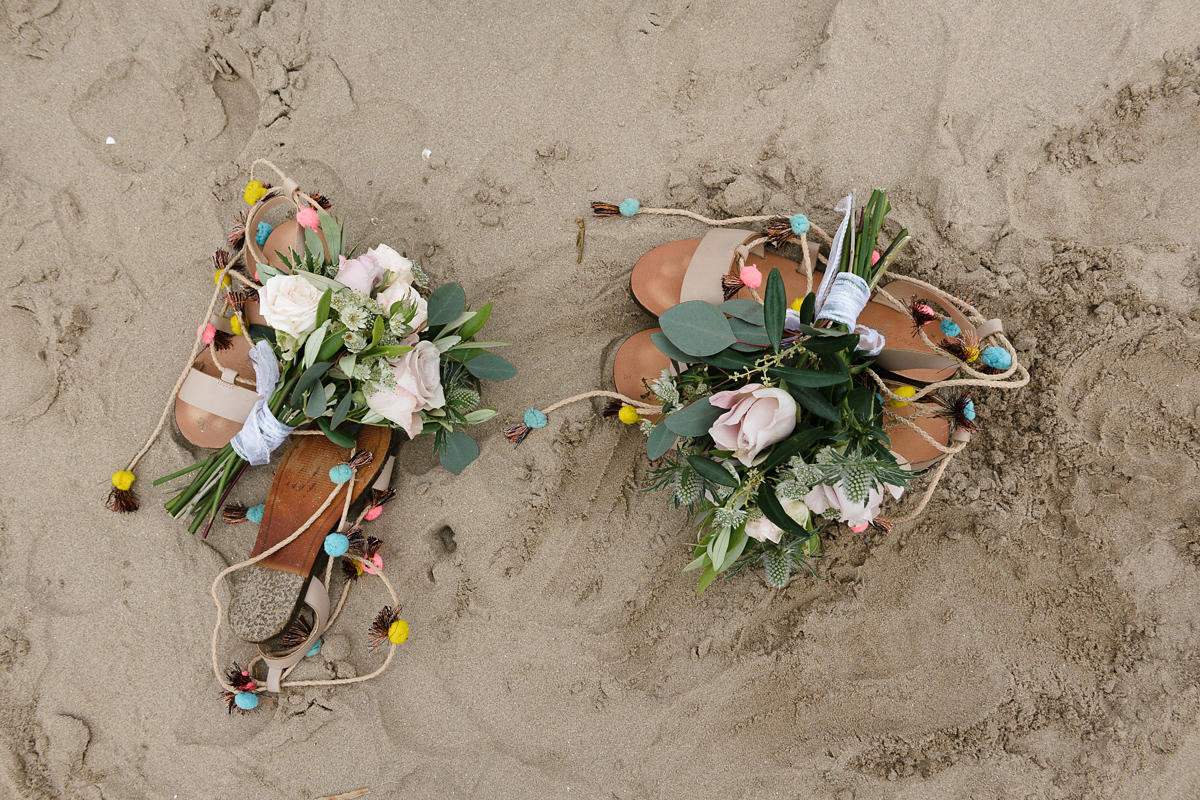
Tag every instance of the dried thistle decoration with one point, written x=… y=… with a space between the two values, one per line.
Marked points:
x=517 y=433
x=321 y=200
x=237 y=232
x=779 y=231
x=221 y=340
x=351 y=569
x=122 y=501
x=297 y=633
x=960 y=410
x=605 y=209
x=381 y=497
x=221 y=259
x=731 y=285
x=360 y=460
x=234 y=513
x=922 y=312
x=964 y=347
x=240 y=679
x=611 y=409
x=387 y=627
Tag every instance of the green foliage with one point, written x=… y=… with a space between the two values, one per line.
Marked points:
x=775 y=308
x=697 y=328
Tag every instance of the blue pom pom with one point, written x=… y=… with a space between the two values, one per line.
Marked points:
x=535 y=418
x=255 y=513
x=799 y=224
x=968 y=410
x=312 y=651
x=950 y=328
x=246 y=701
x=341 y=473
x=264 y=230
x=996 y=357
x=336 y=544
x=629 y=207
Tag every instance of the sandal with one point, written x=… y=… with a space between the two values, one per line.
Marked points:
x=709 y=269
x=282 y=237
x=214 y=401
x=265 y=598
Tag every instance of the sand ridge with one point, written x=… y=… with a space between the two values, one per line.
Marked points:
x=1031 y=636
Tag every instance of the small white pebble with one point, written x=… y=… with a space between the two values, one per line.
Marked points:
x=426 y=153
x=110 y=140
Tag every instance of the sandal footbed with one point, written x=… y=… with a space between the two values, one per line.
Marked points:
x=203 y=428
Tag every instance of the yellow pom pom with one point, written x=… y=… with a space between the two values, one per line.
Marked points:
x=903 y=391
x=235 y=325
x=972 y=354
x=253 y=192
x=222 y=278
x=797 y=304
x=123 y=479
x=628 y=415
x=398 y=632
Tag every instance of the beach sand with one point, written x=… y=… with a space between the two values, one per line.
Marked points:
x=1032 y=636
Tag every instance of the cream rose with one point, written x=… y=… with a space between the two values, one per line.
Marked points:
x=856 y=515
x=389 y=260
x=418 y=388
x=289 y=304
x=361 y=274
x=757 y=418
x=763 y=530
x=407 y=294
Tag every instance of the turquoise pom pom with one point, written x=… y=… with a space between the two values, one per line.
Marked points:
x=341 y=473
x=535 y=418
x=246 y=701
x=255 y=513
x=799 y=224
x=996 y=357
x=336 y=544
x=264 y=230
x=950 y=328
x=968 y=410
x=629 y=207
x=312 y=651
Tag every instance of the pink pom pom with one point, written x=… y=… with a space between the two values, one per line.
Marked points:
x=859 y=528
x=874 y=257
x=207 y=333
x=751 y=276
x=308 y=218
x=376 y=561
x=373 y=514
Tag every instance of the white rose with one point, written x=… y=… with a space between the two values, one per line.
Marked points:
x=406 y=294
x=391 y=261
x=796 y=510
x=418 y=388
x=289 y=304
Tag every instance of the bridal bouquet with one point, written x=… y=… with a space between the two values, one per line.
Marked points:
x=352 y=340
x=765 y=434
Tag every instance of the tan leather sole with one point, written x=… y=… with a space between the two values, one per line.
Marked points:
x=657 y=281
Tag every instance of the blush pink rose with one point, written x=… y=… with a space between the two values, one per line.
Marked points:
x=857 y=515
x=361 y=274
x=403 y=292
x=418 y=388
x=764 y=530
x=757 y=418
x=389 y=260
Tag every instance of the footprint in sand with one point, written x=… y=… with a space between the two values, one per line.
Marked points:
x=25 y=354
x=130 y=106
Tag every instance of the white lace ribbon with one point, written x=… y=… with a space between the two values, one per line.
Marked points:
x=262 y=432
x=847 y=298
x=846 y=206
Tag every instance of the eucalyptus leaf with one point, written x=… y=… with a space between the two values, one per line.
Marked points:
x=458 y=321
x=697 y=328
x=479 y=415
x=694 y=419
x=315 y=406
x=774 y=308
x=385 y=351
x=312 y=345
x=330 y=346
x=339 y=413
x=750 y=334
x=457 y=451
x=266 y=272
x=831 y=344
x=728 y=360
x=373 y=418
x=340 y=438
x=669 y=350
x=491 y=367
x=321 y=282
x=445 y=344
x=475 y=325
x=660 y=440
x=478 y=345
x=712 y=471
x=744 y=309
x=307 y=379
x=446 y=303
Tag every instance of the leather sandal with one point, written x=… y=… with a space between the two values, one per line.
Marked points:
x=265 y=595
x=287 y=235
x=698 y=269
x=212 y=403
